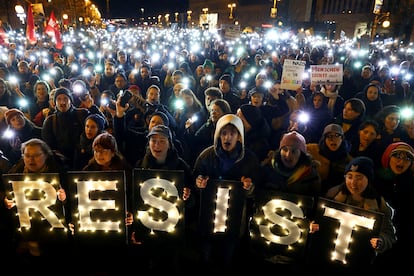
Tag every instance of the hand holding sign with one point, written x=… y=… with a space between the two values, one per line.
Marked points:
x=201 y=181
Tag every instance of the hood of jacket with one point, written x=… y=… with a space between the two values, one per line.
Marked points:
x=222 y=122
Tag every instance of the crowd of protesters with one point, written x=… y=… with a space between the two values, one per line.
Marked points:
x=183 y=99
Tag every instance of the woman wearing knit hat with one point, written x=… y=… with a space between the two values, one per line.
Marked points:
x=106 y=156
x=292 y=169
x=358 y=191
x=20 y=129
x=260 y=82
x=395 y=181
x=332 y=152
x=134 y=139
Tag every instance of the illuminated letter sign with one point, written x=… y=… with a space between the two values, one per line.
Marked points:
x=99 y=206
x=279 y=228
x=344 y=233
x=158 y=205
x=168 y=207
x=221 y=207
x=39 y=213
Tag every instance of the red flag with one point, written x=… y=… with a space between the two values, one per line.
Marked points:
x=52 y=29
x=30 y=27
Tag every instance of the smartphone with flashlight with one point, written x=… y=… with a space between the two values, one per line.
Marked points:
x=126 y=96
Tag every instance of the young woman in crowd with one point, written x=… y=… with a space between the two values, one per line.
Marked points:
x=204 y=136
x=391 y=130
x=352 y=115
x=358 y=190
x=394 y=181
x=292 y=169
x=41 y=91
x=372 y=100
x=365 y=143
x=94 y=125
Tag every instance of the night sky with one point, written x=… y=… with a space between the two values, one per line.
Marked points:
x=132 y=8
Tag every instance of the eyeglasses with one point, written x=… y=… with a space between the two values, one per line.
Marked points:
x=401 y=156
x=29 y=156
x=351 y=177
x=333 y=136
x=102 y=151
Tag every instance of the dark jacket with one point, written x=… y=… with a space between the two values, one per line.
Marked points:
x=61 y=130
x=11 y=146
x=218 y=164
x=303 y=179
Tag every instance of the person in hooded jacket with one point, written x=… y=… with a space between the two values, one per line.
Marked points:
x=227 y=159
x=371 y=96
x=256 y=130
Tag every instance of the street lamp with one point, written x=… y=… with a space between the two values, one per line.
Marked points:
x=273 y=10
x=167 y=19
x=380 y=18
x=231 y=7
x=65 y=20
x=189 y=15
x=20 y=13
x=107 y=9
